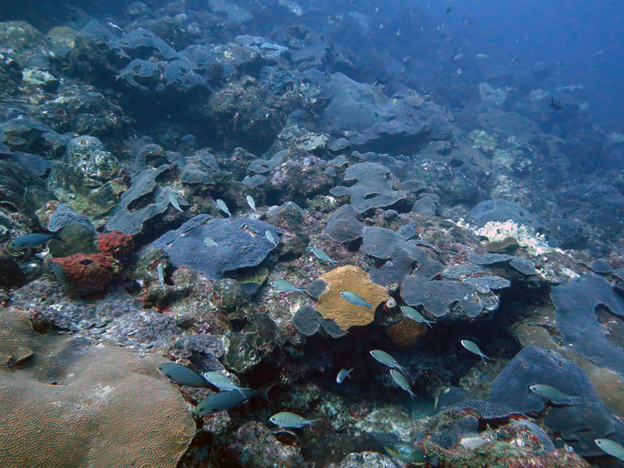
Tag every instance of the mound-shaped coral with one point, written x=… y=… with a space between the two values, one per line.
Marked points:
x=68 y=403
x=92 y=273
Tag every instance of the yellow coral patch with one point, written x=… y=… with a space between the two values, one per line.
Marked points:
x=331 y=305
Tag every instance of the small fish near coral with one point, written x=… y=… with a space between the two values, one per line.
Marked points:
x=223 y=207
x=222 y=382
x=251 y=202
x=173 y=199
x=231 y=399
x=161 y=276
x=182 y=375
x=291 y=420
x=321 y=255
x=386 y=359
x=553 y=395
x=31 y=241
x=473 y=348
x=401 y=381
x=416 y=316
x=286 y=286
x=343 y=374
x=612 y=448
x=354 y=299
x=269 y=235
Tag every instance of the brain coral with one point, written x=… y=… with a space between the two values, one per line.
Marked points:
x=331 y=305
x=68 y=403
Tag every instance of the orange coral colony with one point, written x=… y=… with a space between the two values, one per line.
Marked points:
x=331 y=305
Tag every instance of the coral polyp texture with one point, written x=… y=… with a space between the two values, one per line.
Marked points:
x=406 y=332
x=331 y=305
x=67 y=402
x=92 y=273
x=116 y=244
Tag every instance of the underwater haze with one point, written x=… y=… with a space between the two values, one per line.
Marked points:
x=309 y=234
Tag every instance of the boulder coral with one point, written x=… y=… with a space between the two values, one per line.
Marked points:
x=67 y=402
x=116 y=244
x=89 y=274
x=331 y=305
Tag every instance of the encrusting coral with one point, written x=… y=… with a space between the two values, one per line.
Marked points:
x=331 y=305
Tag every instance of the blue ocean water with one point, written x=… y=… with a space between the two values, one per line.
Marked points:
x=572 y=43
x=582 y=41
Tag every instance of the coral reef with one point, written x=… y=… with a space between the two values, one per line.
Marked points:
x=406 y=332
x=348 y=162
x=89 y=273
x=579 y=423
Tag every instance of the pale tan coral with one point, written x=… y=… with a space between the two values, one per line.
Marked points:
x=66 y=402
x=331 y=305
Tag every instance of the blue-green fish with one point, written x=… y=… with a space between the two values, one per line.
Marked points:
x=230 y=399
x=354 y=299
x=386 y=359
x=174 y=201
x=285 y=286
x=182 y=375
x=223 y=207
x=58 y=272
x=269 y=235
x=612 y=448
x=343 y=374
x=290 y=420
x=552 y=394
x=30 y=241
x=401 y=381
x=473 y=348
x=161 y=276
x=222 y=382
x=210 y=242
x=321 y=255
x=416 y=316
x=251 y=202
x=408 y=453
